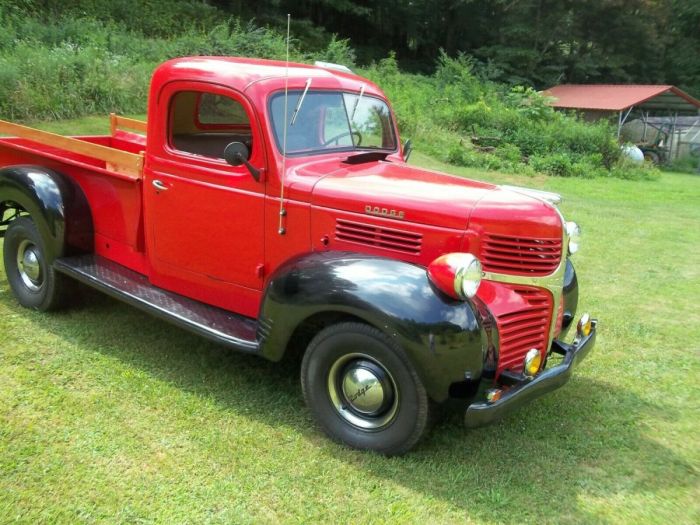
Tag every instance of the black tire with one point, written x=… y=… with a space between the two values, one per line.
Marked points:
x=331 y=362
x=653 y=157
x=40 y=288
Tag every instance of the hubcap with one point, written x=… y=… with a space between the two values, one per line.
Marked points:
x=362 y=391
x=29 y=265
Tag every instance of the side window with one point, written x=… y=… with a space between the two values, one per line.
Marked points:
x=220 y=110
x=205 y=123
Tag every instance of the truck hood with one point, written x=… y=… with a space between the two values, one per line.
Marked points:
x=401 y=191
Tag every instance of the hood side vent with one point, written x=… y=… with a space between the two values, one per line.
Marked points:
x=378 y=236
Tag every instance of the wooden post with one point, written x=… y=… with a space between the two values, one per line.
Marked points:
x=112 y=123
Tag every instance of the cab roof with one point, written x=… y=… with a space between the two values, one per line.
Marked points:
x=242 y=73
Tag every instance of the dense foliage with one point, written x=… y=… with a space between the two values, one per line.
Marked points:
x=532 y=42
x=529 y=42
x=96 y=56
x=462 y=119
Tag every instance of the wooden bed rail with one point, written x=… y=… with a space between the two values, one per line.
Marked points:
x=117 y=122
x=129 y=164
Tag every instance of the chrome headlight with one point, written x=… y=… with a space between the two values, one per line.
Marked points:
x=574 y=233
x=468 y=277
x=456 y=274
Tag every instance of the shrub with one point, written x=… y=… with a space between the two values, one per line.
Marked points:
x=337 y=52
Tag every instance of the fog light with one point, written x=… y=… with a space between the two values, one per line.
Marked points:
x=493 y=395
x=584 y=326
x=533 y=360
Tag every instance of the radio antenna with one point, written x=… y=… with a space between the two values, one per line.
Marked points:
x=283 y=212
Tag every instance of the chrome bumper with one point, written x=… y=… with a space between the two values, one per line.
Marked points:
x=483 y=412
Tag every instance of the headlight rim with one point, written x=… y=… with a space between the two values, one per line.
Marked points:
x=462 y=276
x=573 y=234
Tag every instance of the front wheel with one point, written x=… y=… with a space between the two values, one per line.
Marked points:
x=363 y=391
x=32 y=279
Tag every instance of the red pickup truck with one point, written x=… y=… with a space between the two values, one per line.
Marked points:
x=269 y=207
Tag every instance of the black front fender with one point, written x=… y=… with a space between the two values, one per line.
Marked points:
x=442 y=337
x=55 y=203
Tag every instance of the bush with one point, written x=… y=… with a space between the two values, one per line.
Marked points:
x=529 y=134
x=338 y=52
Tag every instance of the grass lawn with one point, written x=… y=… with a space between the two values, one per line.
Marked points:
x=108 y=415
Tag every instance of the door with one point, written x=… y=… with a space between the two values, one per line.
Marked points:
x=204 y=217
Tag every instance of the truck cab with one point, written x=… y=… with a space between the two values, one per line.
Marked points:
x=269 y=207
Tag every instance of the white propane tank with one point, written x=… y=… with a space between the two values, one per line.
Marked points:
x=633 y=153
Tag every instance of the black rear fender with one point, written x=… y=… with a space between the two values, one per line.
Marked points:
x=55 y=203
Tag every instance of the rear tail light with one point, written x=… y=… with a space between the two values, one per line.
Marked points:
x=456 y=274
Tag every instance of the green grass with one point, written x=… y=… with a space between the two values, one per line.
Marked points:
x=108 y=415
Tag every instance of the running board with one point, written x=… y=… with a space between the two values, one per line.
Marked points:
x=221 y=326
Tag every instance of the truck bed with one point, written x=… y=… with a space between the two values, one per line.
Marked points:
x=120 y=152
x=108 y=169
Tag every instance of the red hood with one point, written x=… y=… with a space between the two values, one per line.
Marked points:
x=424 y=196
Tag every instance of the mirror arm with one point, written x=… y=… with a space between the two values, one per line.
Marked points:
x=255 y=172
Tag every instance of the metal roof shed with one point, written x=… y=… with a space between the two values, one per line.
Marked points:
x=602 y=100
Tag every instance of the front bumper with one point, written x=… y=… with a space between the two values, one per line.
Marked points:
x=483 y=412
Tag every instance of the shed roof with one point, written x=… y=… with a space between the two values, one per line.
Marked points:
x=618 y=97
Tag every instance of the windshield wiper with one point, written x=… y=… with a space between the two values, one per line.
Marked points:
x=301 y=101
x=357 y=103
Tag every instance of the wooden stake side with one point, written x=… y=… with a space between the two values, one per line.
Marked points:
x=130 y=164
x=117 y=122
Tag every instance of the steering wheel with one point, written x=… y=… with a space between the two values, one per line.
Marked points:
x=341 y=135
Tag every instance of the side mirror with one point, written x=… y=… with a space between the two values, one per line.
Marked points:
x=236 y=153
x=407 y=149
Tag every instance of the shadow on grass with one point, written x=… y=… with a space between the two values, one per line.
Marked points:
x=583 y=439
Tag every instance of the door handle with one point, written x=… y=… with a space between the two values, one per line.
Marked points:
x=159 y=185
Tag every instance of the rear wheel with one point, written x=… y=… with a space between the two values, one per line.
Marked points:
x=363 y=391
x=32 y=279
x=652 y=156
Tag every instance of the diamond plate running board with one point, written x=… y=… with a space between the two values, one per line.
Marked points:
x=219 y=325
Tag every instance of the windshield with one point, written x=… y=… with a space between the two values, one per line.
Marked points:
x=332 y=121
